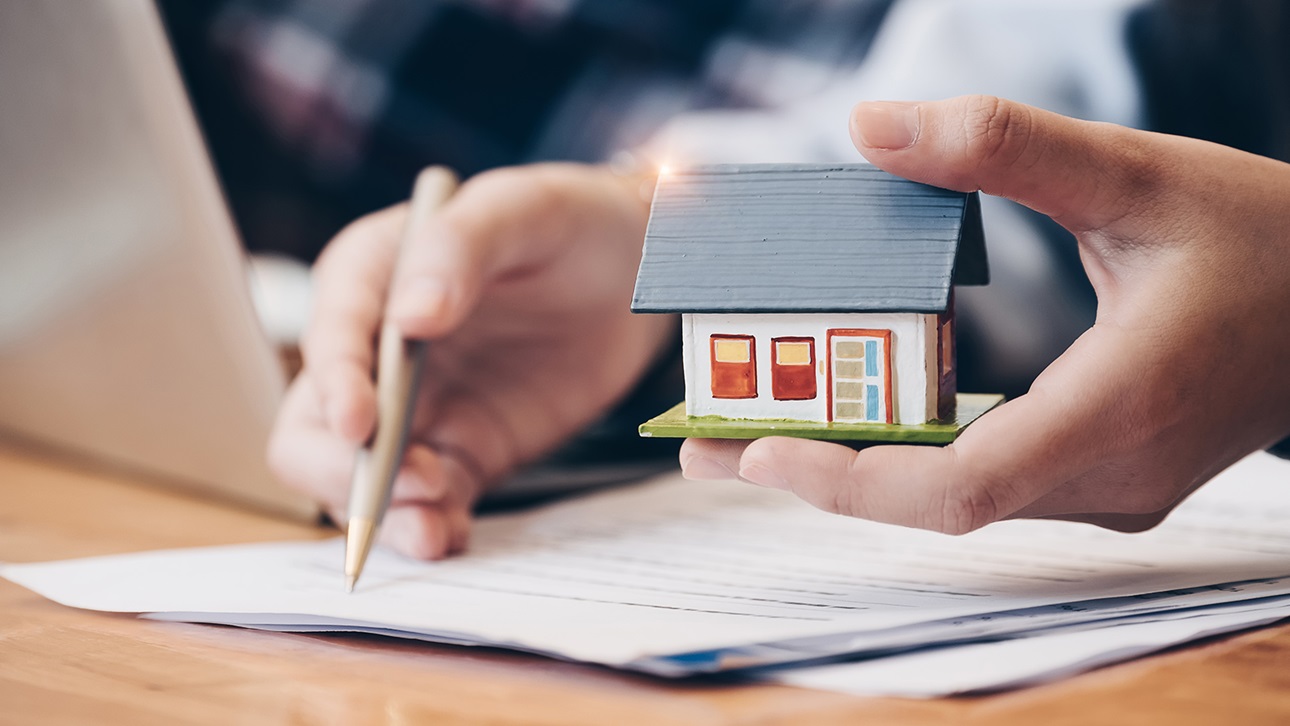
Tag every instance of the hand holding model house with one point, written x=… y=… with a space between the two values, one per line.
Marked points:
x=1186 y=370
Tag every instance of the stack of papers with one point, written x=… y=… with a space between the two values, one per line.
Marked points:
x=675 y=578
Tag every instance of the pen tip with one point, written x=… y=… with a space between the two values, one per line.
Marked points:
x=358 y=541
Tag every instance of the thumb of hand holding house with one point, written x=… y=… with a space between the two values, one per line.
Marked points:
x=1182 y=374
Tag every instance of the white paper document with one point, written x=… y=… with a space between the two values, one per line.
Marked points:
x=1028 y=658
x=675 y=577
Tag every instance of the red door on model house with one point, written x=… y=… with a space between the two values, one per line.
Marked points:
x=860 y=376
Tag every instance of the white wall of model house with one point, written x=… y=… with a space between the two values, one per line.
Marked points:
x=913 y=359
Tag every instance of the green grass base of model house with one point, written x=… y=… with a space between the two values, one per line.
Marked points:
x=675 y=424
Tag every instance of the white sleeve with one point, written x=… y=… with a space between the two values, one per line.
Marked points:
x=1067 y=56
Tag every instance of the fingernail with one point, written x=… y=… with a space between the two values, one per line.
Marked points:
x=422 y=297
x=886 y=124
x=701 y=468
x=763 y=477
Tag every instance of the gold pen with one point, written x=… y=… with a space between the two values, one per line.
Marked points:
x=398 y=371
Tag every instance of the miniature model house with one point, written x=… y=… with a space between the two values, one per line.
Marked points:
x=812 y=293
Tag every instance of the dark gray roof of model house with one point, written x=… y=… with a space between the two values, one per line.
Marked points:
x=806 y=238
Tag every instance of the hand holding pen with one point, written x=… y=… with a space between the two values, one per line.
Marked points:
x=522 y=285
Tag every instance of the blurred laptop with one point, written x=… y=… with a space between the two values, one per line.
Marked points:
x=127 y=334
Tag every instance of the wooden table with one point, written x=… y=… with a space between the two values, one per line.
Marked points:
x=59 y=665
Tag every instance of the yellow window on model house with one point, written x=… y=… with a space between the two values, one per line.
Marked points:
x=793 y=354
x=793 y=369
x=728 y=350
x=734 y=367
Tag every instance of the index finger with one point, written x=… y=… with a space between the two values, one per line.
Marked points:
x=351 y=280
